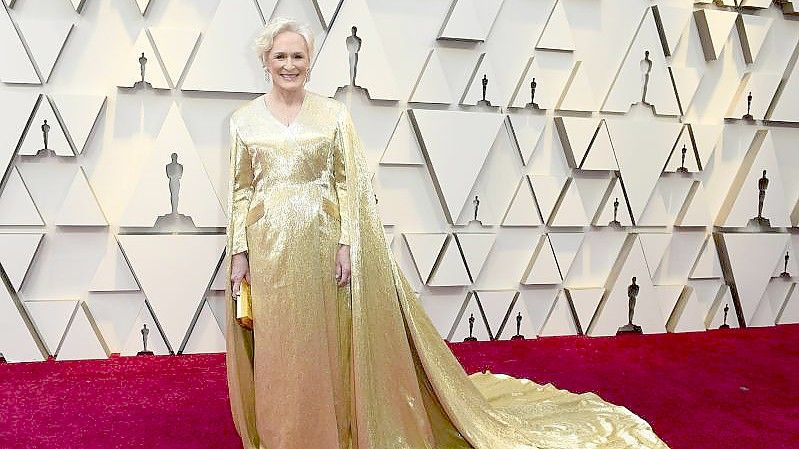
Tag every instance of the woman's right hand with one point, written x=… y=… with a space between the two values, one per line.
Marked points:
x=240 y=269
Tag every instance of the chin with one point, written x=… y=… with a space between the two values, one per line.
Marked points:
x=288 y=86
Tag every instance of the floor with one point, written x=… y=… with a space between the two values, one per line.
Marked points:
x=717 y=389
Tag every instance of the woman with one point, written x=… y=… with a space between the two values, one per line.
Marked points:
x=342 y=355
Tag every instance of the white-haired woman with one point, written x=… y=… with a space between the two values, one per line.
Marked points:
x=341 y=354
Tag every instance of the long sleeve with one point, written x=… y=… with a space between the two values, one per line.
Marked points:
x=241 y=190
x=346 y=135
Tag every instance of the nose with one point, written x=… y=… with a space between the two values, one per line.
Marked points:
x=289 y=62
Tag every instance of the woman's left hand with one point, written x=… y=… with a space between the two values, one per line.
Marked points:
x=343 y=268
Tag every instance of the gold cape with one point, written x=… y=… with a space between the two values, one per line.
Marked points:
x=407 y=389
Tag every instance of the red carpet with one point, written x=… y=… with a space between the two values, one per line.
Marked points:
x=719 y=389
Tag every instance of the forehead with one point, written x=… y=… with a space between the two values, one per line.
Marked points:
x=289 y=41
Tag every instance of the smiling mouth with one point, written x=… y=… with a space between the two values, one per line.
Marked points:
x=288 y=76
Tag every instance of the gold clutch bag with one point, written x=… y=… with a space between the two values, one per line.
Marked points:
x=244 y=306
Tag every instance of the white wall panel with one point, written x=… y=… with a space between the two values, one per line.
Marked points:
x=546 y=175
x=612 y=312
x=17 y=66
x=51 y=318
x=16 y=254
x=225 y=60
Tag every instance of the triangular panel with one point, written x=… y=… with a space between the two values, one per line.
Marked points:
x=707 y=266
x=560 y=320
x=174 y=271
x=786 y=108
x=612 y=312
x=579 y=94
x=480 y=331
x=768 y=310
x=16 y=254
x=639 y=169
x=547 y=190
x=433 y=86
x=113 y=273
x=134 y=341
x=79 y=113
x=45 y=122
x=714 y=30
x=462 y=137
x=17 y=344
x=375 y=72
x=224 y=61
x=706 y=136
x=115 y=314
x=206 y=336
x=17 y=66
x=543 y=268
x=537 y=303
x=528 y=129
x=471 y=20
x=13 y=125
x=450 y=269
x=522 y=210
x=672 y=19
x=80 y=206
x=565 y=246
x=51 y=319
x=585 y=301
x=576 y=134
x=476 y=248
x=644 y=66
x=46 y=40
x=526 y=324
x=776 y=207
x=752 y=259
x=175 y=46
x=654 y=246
x=327 y=10
x=131 y=72
x=557 y=33
x=81 y=341
x=496 y=304
x=425 y=249
x=752 y=30
x=403 y=148
x=622 y=214
x=197 y=197
x=600 y=155
x=16 y=205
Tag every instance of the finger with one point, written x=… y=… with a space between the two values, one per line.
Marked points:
x=236 y=287
x=340 y=275
x=247 y=277
x=345 y=278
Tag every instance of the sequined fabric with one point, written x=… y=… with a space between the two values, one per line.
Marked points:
x=361 y=367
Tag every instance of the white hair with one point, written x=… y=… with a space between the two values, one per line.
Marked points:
x=265 y=39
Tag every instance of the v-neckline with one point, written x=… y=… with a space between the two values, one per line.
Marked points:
x=296 y=117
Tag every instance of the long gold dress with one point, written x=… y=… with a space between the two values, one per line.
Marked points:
x=361 y=366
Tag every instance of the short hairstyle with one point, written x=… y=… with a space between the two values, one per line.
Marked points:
x=265 y=39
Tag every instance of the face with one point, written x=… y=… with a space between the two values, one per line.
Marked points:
x=288 y=61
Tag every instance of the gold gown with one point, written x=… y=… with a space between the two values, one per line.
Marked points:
x=362 y=366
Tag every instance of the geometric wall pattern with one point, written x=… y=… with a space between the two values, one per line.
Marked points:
x=661 y=115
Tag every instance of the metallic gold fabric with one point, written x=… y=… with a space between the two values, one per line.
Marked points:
x=361 y=367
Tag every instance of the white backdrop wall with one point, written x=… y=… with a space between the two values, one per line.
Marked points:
x=84 y=268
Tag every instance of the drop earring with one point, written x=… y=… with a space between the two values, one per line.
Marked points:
x=307 y=76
